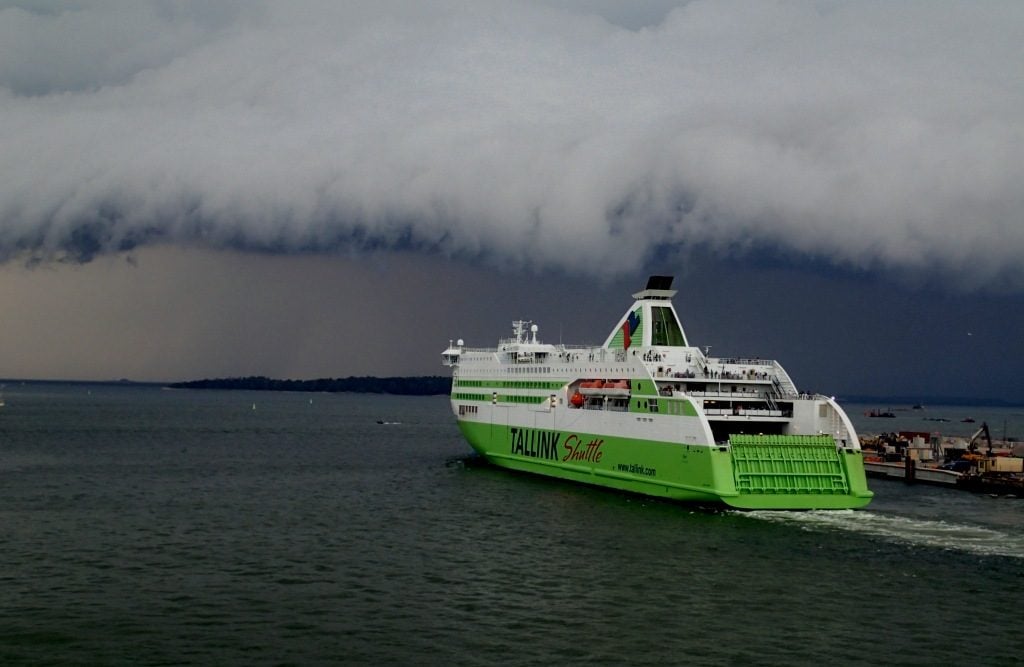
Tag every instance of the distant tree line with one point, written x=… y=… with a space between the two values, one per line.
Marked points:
x=409 y=386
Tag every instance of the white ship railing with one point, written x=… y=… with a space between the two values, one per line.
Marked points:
x=558 y=348
x=720 y=412
x=711 y=393
x=739 y=361
x=783 y=383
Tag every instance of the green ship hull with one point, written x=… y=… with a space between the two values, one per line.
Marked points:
x=754 y=472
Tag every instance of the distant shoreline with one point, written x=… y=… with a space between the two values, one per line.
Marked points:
x=925 y=401
x=428 y=385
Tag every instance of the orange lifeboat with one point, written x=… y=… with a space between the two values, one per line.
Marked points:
x=617 y=387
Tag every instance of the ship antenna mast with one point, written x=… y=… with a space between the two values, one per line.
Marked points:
x=519 y=328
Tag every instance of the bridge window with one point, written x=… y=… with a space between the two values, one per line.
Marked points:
x=666 y=329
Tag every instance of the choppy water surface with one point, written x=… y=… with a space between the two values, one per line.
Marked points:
x=945 y=420
x=142 y=526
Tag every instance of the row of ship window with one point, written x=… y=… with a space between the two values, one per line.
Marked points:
x=509 y=384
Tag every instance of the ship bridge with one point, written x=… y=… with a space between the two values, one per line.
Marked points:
x=523 y=347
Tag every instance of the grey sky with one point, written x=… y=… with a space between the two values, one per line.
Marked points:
x=558 y=142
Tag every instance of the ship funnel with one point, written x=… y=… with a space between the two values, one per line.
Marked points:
x=658 y=287
x=659 y=282
x=651 y=320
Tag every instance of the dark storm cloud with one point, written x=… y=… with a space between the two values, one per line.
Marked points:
x=560 y=133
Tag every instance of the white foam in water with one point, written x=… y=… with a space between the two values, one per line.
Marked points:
x=922 y=532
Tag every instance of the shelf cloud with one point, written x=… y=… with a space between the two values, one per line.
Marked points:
x=588 y=136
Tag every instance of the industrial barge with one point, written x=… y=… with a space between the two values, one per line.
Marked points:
x=926 y=458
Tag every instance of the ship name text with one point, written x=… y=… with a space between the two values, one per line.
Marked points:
x=535 y=444
x=545 y=445
x=577 y=450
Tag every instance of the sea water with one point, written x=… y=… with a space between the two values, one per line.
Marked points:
x=954 y=421
x=141 y=526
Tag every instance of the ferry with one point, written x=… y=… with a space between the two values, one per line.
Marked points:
x=649 y=413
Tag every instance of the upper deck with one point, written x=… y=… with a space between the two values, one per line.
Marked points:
x=647 y=342
x=645 y=366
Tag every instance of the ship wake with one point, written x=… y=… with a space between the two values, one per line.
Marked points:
x=980 y=540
